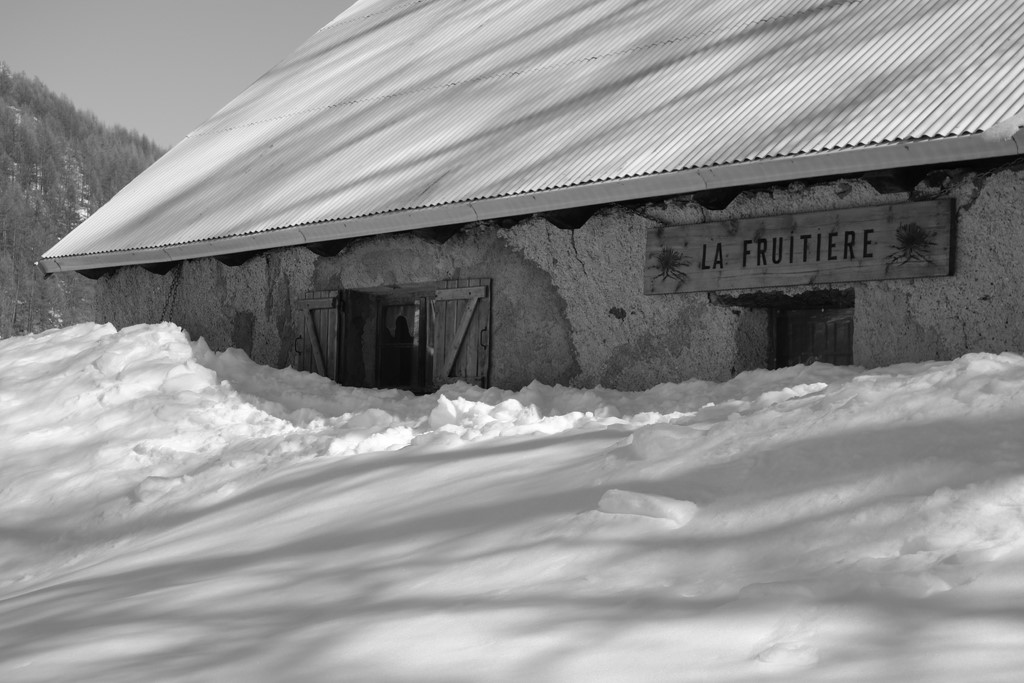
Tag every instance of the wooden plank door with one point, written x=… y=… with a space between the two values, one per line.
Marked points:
x=461 y=332
x=318 y=349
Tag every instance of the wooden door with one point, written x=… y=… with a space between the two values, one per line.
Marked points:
x=461 y=323
x=318 y=349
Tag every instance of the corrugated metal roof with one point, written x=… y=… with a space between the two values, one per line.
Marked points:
x=396 y=107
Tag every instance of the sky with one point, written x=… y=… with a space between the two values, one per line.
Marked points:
x=172 y=513
x=161 y=68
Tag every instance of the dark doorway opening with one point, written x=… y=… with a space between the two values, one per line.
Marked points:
x=402 y=354
x=816 y=325
x=805 y=336
x=416 y=337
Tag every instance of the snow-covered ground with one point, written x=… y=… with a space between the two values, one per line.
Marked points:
x=172 y=514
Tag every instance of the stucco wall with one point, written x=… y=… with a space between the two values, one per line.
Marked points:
x=981 y=308
x=568 y=306
x=624 y=338
x=246 y=307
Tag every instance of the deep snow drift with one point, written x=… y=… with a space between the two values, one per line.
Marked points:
x=168 y=513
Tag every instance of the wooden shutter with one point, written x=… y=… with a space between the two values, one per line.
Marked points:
x=318 y=349
x=461 y=332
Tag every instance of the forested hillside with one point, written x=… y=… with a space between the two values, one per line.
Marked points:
x=57 y=165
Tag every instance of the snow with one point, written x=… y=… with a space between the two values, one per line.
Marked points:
x=168 y=513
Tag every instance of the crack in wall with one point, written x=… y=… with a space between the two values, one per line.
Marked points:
x=575 y=251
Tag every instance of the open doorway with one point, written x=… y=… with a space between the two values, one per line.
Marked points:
x=805 y=336
x=402 y=352
x=817 y=325
x=416 y=337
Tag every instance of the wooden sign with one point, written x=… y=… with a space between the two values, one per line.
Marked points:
x=847 y=245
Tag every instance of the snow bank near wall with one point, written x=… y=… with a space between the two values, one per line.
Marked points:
x=172 y=513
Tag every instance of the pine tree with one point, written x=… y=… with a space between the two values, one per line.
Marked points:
x=57 y=166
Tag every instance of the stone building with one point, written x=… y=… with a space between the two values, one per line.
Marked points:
x=619 y=193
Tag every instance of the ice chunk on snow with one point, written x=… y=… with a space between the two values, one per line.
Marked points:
x=444 y=413
x=154 y=487
x=620 y=502
x=789 y=655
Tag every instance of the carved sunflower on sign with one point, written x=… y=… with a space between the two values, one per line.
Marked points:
x=913 y=243
x=669 y=261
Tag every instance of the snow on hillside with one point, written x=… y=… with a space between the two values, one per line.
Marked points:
x=172 y=514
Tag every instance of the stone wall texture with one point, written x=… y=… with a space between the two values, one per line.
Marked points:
x=568 y=305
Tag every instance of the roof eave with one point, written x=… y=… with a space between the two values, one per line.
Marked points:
x=773 y=170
